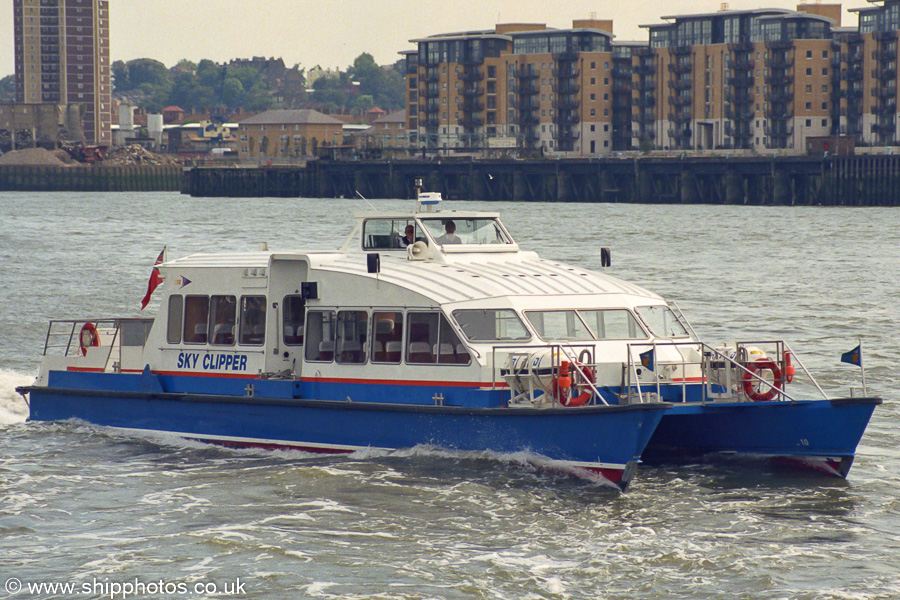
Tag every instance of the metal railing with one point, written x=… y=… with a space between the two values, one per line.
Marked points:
x=63 y=335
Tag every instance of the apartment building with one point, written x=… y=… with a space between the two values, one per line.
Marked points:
x=519 y=85
x=287 y=133
x=62 y=57
x=749 y=79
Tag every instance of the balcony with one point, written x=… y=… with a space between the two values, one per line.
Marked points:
x=619 y=72
x=645 y=101
x=470 y=105
x=646 y=85
x=680 y=100
x=681 y=50
x=780 y=80
x=645 y=69
x=526 y=74
x=566 y=71
x=680 y=134
x=472 y=61
x=779 y=132
x=885 y=74
x=471 y=122
x=738 y=114
x=680 y=84
x=741 y=47
x=884 y=128
x=567 y=56
x=743 y=63
x=780 y=44
x=744 y=80
x=852 y=74
x=779 y=97
x=884 y=92
x=680 y=67
x=528 y=88
x=885 y=36
x=889 y=107
x=680 y=117
x=566 y=103
x=472 y=91
x=884 y=55
x=471 y=75
x=568 y=120
x=528 y=119
x=779 y=114
x=566 y=86
x=526 y=103
x=431 y=76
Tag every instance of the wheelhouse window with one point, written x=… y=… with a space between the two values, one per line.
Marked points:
x=222 y=315
x=613 y=324
x=196 y=310
x=662 y=321
x=558 y=325
x=390 y=234
x=491 y=325
x=253 y=320
x=387 y=337
x=352 y=328
x=432 y=340
x=176 y=313
x=320 y=329
x=294 y=309
x=467 y=231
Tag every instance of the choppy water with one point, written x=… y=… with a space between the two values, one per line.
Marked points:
x=88 y=507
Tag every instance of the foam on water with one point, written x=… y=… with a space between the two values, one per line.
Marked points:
x=13 y=408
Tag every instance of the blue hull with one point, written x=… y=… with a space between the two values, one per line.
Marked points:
x=605 y=440
x=822 y=434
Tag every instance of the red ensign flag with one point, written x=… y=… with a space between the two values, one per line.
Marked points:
x=155 y=279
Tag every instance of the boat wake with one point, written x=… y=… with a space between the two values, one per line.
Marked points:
x=13 y=408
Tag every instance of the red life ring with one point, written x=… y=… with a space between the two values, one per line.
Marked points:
x=563 y=383
x=750 y=381
x=88 y=337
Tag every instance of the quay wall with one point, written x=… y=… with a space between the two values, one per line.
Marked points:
x=95 y=178
x=867 y=180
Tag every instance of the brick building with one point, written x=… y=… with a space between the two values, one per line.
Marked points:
x=62 y=57
x=287 y=133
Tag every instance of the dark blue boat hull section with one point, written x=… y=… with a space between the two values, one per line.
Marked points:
x=609 y=435
x=825 y=429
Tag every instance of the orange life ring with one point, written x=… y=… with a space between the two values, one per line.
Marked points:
x=88 y=337
x=749 y=380
x=563 y=383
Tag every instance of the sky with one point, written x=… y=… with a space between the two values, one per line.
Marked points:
x=332 y=33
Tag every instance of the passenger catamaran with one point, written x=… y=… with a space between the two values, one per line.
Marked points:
x=433 y=327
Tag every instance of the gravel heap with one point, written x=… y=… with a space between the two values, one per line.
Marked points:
x=32 y=157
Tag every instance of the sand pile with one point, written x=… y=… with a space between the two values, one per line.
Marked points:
x=31 y=157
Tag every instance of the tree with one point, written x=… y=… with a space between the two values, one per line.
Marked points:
x=120 y=76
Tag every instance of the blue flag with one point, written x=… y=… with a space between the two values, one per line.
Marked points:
x=854 y=357
x=647 y=359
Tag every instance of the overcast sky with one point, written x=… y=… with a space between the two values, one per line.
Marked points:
x=332 y=33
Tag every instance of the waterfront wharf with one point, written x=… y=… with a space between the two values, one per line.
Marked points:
x=94 y=178
x=864 y=180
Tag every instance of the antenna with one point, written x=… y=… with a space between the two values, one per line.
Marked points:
x=366 y=199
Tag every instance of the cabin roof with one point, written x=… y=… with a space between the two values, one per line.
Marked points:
x=460 y=278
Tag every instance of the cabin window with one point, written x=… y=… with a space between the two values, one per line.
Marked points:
x=196 y=309
x=352 y=329
x=176 y=313
x=466 y=231
x=389 y=234
x=491 y=325
x=616 y=324
x=662 y=321
x=253 y=320
x=320 y=329
x=294 y=308
x=558 y=325
x=222 y=316
x=432 y=340
x=387 y=337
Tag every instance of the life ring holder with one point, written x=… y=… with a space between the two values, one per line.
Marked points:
x=563 y=381
x=88 y=337
x=774 y=388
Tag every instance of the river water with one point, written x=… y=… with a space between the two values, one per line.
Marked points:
x=152 y=516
